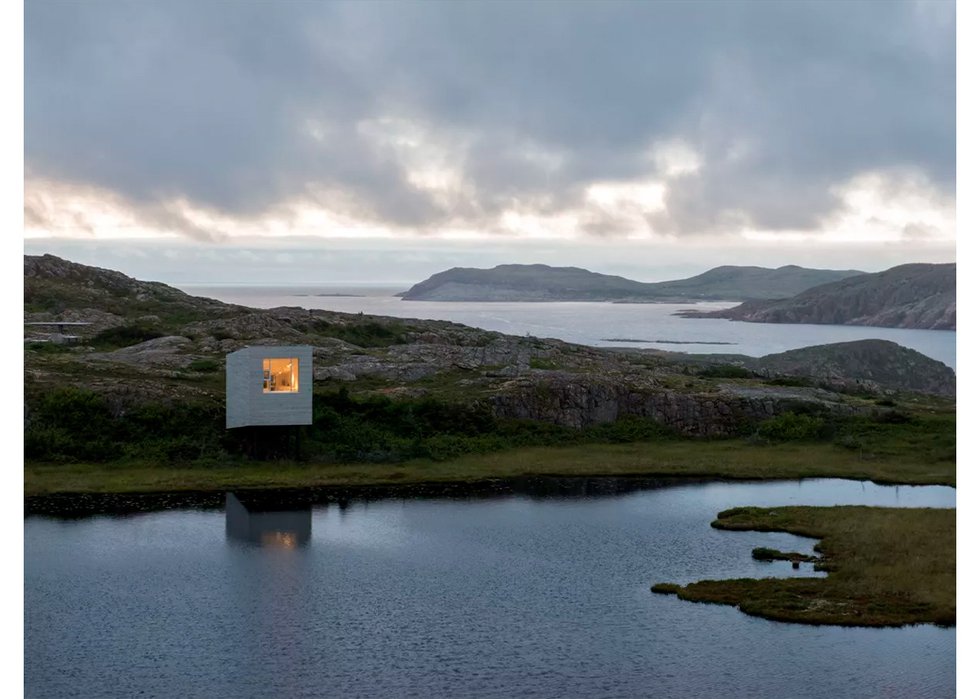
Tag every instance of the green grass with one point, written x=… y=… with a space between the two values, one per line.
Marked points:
x=205 y=365
x=44 y=348
x=887 y=567
x=546 y=364
x=364 y=333
x=71 y=424
x=124 y=336
x=733 y=458
x=726 y=371
x=78 y=439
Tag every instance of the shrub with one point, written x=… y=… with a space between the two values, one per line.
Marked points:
x=45 y=443
x=204 y=365
x=546 y=364
x=72 y=424
x=47 y=347
x=629 y=429
x=849 y=441
x=891 y=417
x=795 y=381
x=805 y=407
x=792 y=426
x=124 y=336
x=377 y=428
x=726 y=371
x=362 y=334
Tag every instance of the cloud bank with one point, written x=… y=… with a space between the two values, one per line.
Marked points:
x=630 y=120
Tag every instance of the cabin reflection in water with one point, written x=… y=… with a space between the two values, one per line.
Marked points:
x=257 y=524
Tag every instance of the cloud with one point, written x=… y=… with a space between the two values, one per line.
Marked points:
x=420 y=117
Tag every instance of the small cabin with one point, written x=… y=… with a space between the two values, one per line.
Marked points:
x=269 y=385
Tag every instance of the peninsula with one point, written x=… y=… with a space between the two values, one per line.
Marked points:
x=908 y=296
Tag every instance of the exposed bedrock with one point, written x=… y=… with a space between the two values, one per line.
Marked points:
x=580 y=402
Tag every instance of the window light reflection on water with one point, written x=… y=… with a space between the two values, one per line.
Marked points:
x=247 y=522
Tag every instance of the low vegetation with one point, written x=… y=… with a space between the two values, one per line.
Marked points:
x=79 y=439
x=624 y=451
x=886 y=567
x=367 y=333
x=725 y=371
x=79 y=425
x=73 y=424
x=124 y=336
x=206 y=365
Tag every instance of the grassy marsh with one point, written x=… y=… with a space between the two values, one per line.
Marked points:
x=886 y=567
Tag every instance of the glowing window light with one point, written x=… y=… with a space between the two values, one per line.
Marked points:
x=280 y=375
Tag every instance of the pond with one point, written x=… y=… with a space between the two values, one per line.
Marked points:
x=519 y=595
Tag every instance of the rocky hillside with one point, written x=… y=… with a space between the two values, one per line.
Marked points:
x=544 y=283
x=864 y=361
x=908 y=296
x=735 y=282
x=151 y=344
x=57 y=288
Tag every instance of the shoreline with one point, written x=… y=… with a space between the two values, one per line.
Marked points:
x=890 y=461
x=90 y=504
x=809 y=601
x=108 y=503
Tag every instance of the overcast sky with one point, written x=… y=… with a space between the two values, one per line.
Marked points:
x=315 y=141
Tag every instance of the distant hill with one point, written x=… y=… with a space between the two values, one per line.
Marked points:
x=546 y=283
x=525 y=283
x=732 y=282
x=908 y=296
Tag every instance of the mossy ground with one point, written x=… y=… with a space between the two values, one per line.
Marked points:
x=887 y=567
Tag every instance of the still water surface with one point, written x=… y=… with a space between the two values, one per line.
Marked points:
x=510 y=596
x=589 y=323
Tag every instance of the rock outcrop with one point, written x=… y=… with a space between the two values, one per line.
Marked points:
x=862 y=362
x=577 y=401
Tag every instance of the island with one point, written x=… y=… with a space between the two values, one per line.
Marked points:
x=541 y=282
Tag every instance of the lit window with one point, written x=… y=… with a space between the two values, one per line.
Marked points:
x=280 y=375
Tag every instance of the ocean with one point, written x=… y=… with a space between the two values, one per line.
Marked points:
x=651 y=325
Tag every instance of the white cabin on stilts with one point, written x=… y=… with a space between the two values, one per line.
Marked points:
x=269 y=385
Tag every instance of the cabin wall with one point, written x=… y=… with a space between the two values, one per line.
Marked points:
x=248 y=405
x=238 y=397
